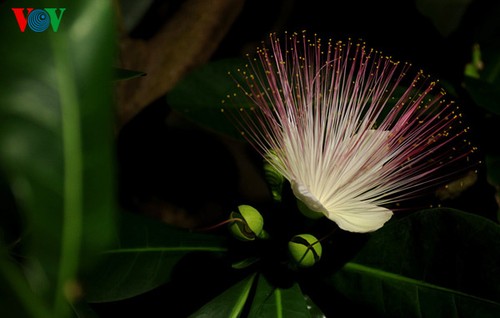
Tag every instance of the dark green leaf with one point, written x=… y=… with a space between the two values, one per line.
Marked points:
x=272 y=301
x=146 y=253
x=485 y=94
x=445 y=14
x=199 y=96
x=493 y=169
x=230 y=303
x=83 y=310
x=493 y=173
x=56 y=142
x=434 y=263
x=482 y=79
x=16 y=296
x=314 y=310
x=491 y=64
x=487 y=28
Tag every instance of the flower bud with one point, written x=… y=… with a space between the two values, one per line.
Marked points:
x=305 y=250
x=251 y=225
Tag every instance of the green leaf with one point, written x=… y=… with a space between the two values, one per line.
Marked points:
x=83 y=310
x=199 y=96
x=279 y=302
x=15 y=293
x=484 y=94
x=230 y=303
x=146 y=253
x=313 y=309
x=491 y=71
x=493 y=176
x=482 y=75
x=56 y=142
x=445 y=14
x=474 y=67
x=436 y=263
x=493 y=169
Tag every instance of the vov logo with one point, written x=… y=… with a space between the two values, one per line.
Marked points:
x=38 y=20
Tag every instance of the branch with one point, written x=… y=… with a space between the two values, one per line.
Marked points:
x=186 y=41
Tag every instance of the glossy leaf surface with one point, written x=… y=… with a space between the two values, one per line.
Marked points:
x=435 y=263
x=146 y=253
x=272 y=301
x=230 y=303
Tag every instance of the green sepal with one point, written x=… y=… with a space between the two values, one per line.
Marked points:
x=305 y=250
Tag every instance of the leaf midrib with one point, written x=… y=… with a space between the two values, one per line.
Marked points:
x=376 y=272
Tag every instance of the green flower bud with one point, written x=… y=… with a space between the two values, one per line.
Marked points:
x=252 y=225
x=305 y=250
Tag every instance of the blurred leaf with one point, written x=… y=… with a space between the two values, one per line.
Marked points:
x=10 y=220
x=123 y=74
x=83 y=310
x=445 y=14
x=493 y=172
x=487 y=24
x=230 y=303
x=199 y=96
x=493 y=167
x=146 y=254
x=475 y=66
x=482 y=76
x=56 y=143
x=272 y=301
x=455 y=188
x=441 y=262
x=491 y=71
x=132 y=12
x=16 y=296
x=485 y=94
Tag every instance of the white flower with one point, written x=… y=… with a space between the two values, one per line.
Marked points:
x=339 y=135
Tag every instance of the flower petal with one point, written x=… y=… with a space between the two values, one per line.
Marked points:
x=359 y=216
x=302 y=193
